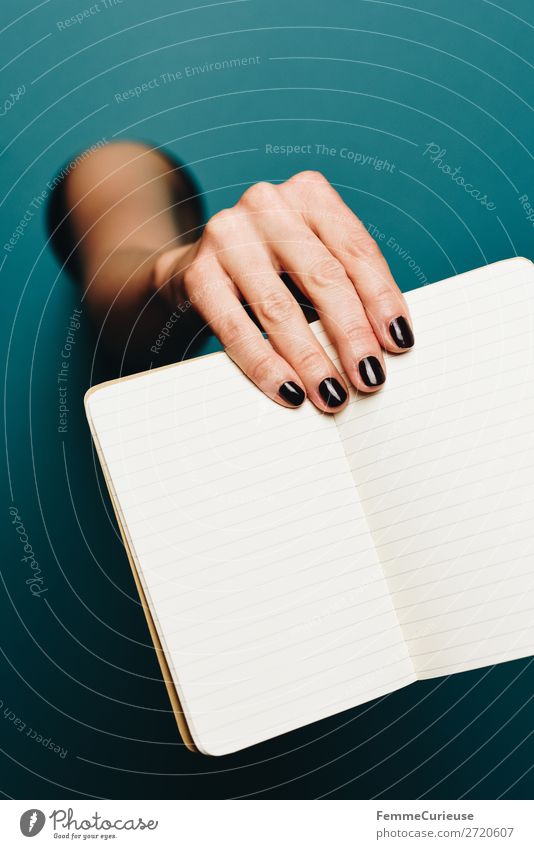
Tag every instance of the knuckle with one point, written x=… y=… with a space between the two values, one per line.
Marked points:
x=383 y=294
x=259 y=194
x=196 y=273
x=309 y=177
x=260 y=367
x=219 y=223
x=275 y=307
x=355 y=239
x=230 y=332
x=364 y=246
x=310 y=360
x=357 y=330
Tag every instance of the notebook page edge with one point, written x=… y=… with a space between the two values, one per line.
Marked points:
x=183 y=720
x=504 y=268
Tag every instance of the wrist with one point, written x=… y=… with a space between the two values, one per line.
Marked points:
x=167 y=274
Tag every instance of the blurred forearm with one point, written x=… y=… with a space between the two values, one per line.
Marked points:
x=126 y=219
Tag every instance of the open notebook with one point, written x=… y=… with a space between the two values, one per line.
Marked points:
x=294 y=564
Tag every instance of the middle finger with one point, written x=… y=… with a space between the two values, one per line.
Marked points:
x=285 y=324
x=325 y=282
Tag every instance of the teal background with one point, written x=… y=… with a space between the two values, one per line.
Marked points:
x=379 y=78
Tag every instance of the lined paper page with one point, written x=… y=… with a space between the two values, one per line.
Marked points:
x=253 y=550
x=444 y=463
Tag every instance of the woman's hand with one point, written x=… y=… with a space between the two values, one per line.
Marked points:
x=302 y=228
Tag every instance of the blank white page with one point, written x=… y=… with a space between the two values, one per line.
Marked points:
x=443 y=458
x=253 y=550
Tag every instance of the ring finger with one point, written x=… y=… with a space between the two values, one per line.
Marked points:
x=285 y=324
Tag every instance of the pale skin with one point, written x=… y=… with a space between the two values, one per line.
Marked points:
x=138 y=268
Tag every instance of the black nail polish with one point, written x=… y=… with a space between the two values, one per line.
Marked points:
x=292 y=393
x=401 y=332
x=371 y=371
x=332 y=392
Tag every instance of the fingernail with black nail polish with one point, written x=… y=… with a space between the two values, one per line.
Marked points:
x=371 y=371
x=401 y=332
x=292 y=393
x=332 y=392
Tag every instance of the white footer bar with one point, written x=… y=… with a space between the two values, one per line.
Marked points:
x=270 y=824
